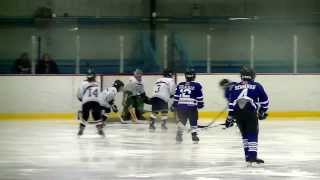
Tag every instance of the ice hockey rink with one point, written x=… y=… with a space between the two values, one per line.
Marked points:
x=50 y=150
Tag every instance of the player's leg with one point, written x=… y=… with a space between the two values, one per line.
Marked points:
x=131 y=103
x=96 y=114
x=154 y=113
x=240 y=119
x=252 y=136
x=164 y=114
x=182 y=121
x=85 y=117
x=139 y=107
x=125 y=111
x=164 y=119
x=193 y=120
x=153 y=118
x=104 y=114
x=248 y=125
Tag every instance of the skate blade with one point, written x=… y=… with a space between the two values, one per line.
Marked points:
x=254 y=164
x=195 y=142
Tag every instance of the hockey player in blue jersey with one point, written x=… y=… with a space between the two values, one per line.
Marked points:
x=188 y=99
x=248 y=103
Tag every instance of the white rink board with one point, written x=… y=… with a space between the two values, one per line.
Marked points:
x=57 y=94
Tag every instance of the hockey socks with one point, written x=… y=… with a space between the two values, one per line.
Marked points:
x=250 y=145
x=164 y=120
x=153 y=118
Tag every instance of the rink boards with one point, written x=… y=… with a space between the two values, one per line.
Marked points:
x=54 y=97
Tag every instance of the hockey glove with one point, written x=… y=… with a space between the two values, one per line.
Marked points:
x=172 y=108
x=229 y=122
x=200 y=105
x=114 y=108
x=105 y=110
x=111 y=102
x=145 y=98
x=262 y=116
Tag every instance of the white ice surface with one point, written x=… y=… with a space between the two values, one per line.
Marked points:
x=50 y=150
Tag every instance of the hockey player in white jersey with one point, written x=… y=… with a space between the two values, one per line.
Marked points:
x=107 y=98
x=88 y=95
x=163 y=90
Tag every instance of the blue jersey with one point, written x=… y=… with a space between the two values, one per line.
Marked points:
x=188 y=95
x=252 y=92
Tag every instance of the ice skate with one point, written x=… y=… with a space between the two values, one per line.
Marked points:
x=152 y=127
x=164 y=126
x=252 y=162
x=81 y=129
x=195 y=138
x=100 y=130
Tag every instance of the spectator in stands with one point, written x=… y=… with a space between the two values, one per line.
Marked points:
x=22 y=65
x=46 y=65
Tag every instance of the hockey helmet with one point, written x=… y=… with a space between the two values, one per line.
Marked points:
x=118 y=85
x=224 y=82
x=138 y=74
x=167 y=73
x=91 y=75
x=247 y=73
x=190 y=75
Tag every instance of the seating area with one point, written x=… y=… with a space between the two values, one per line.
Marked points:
x=103 y=66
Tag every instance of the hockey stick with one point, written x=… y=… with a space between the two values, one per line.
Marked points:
x=121 y=120
x=130 y=122
x=214 y=120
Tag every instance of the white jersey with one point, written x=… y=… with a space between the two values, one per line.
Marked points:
x=164 y=88
x=88 y=91
x=134 y=86
x=107 y=95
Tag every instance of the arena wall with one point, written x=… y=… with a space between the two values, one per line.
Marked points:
x=54 y=97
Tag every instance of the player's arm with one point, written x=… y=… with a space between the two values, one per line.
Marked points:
x=199 y=97
x=80 y=93
x=176 y=98
x=110 y=98
x=230 y=118
x=127 y=91
x=172 y=88
x=263 y=102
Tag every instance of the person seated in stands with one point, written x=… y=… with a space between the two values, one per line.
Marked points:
x=22 y=65
x=46 y=65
